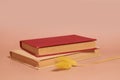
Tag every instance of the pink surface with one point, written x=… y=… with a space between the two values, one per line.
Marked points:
x=27 y=19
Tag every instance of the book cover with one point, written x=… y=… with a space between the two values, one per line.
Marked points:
x=54 y=41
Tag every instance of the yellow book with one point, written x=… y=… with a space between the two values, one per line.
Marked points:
x=28 y=58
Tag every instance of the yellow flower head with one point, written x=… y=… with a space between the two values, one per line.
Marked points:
x=63 y=65
x=65 y=62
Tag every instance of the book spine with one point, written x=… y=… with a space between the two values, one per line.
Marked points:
x=34 y=54
x=23 y=59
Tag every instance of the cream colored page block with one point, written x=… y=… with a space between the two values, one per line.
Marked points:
x=67 y=48
x=77 y=57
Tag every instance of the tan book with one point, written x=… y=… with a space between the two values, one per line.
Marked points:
x=28 y=58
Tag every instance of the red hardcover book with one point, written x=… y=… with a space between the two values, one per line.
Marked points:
x=57 y=45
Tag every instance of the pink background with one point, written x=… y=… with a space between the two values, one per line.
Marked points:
x=26 y=19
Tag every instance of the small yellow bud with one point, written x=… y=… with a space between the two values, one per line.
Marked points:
x=65 y=62
x=63 y=65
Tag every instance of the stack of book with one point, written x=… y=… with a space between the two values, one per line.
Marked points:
x=44 y=51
